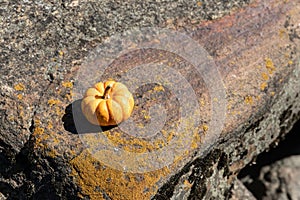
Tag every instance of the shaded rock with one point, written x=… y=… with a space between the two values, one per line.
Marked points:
x=282 y=179
x=240 y=191
x=251 y=175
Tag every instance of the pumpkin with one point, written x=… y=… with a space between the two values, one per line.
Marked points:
x=107 y=103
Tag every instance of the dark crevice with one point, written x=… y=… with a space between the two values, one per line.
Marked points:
x=287 y=147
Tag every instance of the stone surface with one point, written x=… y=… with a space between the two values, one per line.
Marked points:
x=44 y=45
x=239 y=191
x=269 y=169
x=282 y=179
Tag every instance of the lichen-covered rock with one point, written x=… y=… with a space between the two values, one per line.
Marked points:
x=44 y=45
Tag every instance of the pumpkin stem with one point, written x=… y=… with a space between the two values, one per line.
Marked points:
x=106 y=95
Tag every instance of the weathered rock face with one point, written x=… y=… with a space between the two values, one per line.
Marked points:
x=44 y=155
x=282 y=179
x=275 y=172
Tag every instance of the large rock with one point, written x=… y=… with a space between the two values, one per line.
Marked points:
x=45 y=46
x=281 y=179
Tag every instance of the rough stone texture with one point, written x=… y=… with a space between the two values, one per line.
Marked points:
x=239 y=191
x=282 y=179
x=261 y=174
x=44 y=43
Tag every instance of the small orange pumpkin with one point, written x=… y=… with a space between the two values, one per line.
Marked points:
x=107 y=103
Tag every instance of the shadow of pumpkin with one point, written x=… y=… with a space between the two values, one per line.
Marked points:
x=75 y=122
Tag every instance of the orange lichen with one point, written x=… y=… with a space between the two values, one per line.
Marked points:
x=39 y=135
x=52 y=102
x=147 y=117
x=265 y=76
x=199 y=3
x=50 y=125
x=196 y=140
x=270 y=65
x=204 y=127
x=20 y=96
x=137 y=145
x=19 y=87
x=37 y=122
x=11 y=118
x=61 y=53
x=248 y=100
x=52 y=153
x=67 y=84
x=159 y=88
x=38 y=131
x=263 y=86
x=59 y=111
x=159 y=144
x=282 y=33
x=21 y=111
x=187 y=184
x=70 y=95
x=90 y=174
x=202 y=102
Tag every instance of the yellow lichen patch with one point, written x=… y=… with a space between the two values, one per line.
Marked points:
x=140 y=125
x=215 y=99
x=37 y=122
x=167 y=135
x=52 y=102
x=20 y=96
x=263 y=86
x=61 y=53
x=67 y=84
x=187 y=184
x=50 y=125
x=11 y=118
x=265 y=76
x=204 y=127
x=19 y=87
x=272 y=93
x=93 y=177
x=52 y=153
x=248 y=100
x=202 y=102
x=159 y=144
x=196 y=140
x=133 y=144
x=290 y=62
x=170 y=136
x=159 y=88
x=21 y=111
x=199 y=3
x=70 y=95
x=269 y=65
x=282 y=33
x=38 y=131
x=229 y=106
x=147 y=117
x=59 y=111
